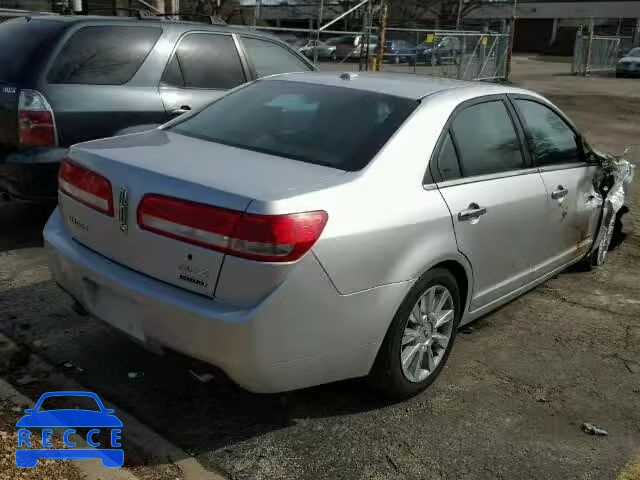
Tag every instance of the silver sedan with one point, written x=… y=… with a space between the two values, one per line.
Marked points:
x=308 y=228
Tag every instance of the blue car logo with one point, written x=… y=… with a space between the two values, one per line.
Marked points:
x=68 y=419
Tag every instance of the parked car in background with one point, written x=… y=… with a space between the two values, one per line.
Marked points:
x=629 y=65
x=275 y=234
x=398 y=51
x=446 y=50
x=326 y=51
x=68 y=79
x=349 y=47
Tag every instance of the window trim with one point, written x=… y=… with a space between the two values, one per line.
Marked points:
x=70 y=32
x=243 y=62
x=580 y=143
x=252 y=67
x=432 y=175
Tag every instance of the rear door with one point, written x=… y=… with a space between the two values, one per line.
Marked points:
x=497 y=201
x=203 y=67
x=100 y=81
x=572 y=204
x=22 y=47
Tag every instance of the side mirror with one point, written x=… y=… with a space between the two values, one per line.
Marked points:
x=109 y=411
x=29 y=411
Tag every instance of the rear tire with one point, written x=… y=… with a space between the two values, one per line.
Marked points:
x=388 y=373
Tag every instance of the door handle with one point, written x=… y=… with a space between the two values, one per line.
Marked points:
x=561 y=192
x=473 y=211
x=182 y=110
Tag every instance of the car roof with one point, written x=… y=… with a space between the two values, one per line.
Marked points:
x=150 y=21
x=405 y=85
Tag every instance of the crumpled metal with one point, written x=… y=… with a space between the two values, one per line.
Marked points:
x=616 y=175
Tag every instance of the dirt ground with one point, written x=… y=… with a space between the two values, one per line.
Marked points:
x=509 y=404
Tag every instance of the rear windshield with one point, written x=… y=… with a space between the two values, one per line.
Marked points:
x=334 y=126
x=20 y=40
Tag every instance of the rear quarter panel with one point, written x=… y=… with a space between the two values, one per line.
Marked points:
x=384 y=226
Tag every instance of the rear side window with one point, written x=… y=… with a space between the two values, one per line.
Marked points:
x=103 y=55
x=334 y=126
x=20 y=40
x=551 y=140
x=204 y=60
x=487 y=140
x=269 y=58
x=448 y=165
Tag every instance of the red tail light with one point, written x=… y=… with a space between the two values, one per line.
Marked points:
x=86 y=186
x=36 y=124
x=268 y=238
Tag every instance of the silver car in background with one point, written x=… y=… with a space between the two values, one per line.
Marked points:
x=309 y=228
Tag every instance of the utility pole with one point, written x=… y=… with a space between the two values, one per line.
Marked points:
x=459 y=15
x=512 y=35
x=256 y=13
x=382 y=37
x=364 y=55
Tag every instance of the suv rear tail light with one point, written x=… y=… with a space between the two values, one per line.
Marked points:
x=267 y=238
x=86 y=186
x=36 y=125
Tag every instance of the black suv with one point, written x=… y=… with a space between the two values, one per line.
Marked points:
x=66 y=79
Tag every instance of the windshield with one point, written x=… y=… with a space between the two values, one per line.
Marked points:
x=324 y=125
x=19 y=41
x=634 y=53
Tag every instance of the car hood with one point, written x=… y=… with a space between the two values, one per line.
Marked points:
x=69 y=418
x=629 y=60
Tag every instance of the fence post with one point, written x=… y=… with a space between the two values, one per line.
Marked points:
x=512 y=29
x=576 y=61
x=315 y=49
x=587 y=67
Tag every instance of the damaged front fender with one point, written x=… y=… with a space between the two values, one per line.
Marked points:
x=612 y=183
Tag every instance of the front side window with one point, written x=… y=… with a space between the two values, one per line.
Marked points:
x=551 y=140
x=337 y=127
x=207 y=61
x=487 y=140
x=269 y=58
x=103 y=55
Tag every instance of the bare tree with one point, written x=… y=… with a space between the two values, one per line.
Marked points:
x=222 y=9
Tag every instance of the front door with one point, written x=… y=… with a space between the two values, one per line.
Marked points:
x=572 y=204
x=497 y=202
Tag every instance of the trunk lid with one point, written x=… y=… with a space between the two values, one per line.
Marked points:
x=169 y=164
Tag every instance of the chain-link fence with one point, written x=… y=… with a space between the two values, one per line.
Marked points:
x=598 y=53
x=468 y=55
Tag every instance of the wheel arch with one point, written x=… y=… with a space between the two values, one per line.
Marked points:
x=461 y=269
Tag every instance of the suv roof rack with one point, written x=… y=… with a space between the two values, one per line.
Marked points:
x=213 y=19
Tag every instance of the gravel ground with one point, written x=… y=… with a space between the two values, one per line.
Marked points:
x=510 y=403
x=45 y=470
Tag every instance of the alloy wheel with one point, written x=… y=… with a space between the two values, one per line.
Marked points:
x=427 y=333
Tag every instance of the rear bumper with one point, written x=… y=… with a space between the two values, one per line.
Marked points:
x=304 y=333
x=31 y=175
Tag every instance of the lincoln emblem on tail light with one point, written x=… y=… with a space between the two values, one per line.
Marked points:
x=123 y=209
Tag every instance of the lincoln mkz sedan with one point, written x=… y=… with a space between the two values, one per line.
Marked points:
x=307 y=228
